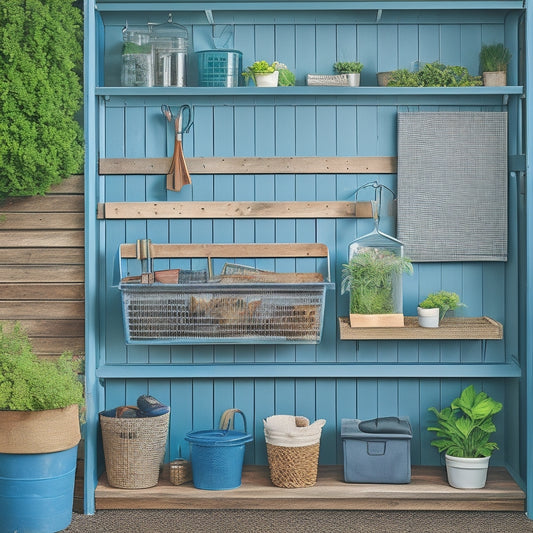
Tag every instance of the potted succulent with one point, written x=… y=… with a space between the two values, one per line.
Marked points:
x=463 y=433
x=373 y=278
x=262 y=73
x=39 y=435
x=493 y=61
x=433 y=309
x=352 y=71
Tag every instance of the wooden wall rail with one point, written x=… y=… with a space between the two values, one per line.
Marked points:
x=173 y=210
x=42 y=267
x=254 y=165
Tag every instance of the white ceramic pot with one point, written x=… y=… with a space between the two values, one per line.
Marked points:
x=428 y=318
x=467 y=472
x=268 y=79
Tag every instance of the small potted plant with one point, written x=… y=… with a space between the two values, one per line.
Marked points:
x=373 y=278
x=493 y=62
x=463 y=432
x=39 y=435
x=286 y=77
x=433 y=309
x=352 y=71
x=262 y=73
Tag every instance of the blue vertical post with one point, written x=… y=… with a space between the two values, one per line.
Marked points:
x=529 y=262
x=91 y=268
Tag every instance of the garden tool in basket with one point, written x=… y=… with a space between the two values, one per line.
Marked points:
x=178 y=175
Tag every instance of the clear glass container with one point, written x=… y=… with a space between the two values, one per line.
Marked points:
x=374 y=272
x=137 y=60
x=170 y=43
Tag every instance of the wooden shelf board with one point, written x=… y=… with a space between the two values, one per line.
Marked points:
x=457 y=328
x=428 y=490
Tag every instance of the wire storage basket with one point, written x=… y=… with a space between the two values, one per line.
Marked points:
x=223 y=312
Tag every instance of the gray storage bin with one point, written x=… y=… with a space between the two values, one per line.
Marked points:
x=375 y=457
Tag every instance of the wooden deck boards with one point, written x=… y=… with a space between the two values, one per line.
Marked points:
x=428 y=490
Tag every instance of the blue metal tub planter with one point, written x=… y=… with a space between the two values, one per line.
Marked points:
x=38 y=456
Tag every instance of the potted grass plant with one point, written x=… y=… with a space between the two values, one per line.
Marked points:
x=352 y=71
x=463 y=431
x=373 y=279
x=40 y=404
x=493 y=62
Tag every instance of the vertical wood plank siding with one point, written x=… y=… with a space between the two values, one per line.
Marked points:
x=268 y=126
x=42 y=267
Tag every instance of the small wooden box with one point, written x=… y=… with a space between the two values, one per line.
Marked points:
x=390 y=320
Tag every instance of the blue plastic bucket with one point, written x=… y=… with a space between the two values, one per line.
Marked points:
x=217 y=457
x=36 y=491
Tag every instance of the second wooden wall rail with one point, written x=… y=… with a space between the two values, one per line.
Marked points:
x=243 y=165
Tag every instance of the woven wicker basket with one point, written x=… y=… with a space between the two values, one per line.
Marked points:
x=134 y=449
x=293 y=467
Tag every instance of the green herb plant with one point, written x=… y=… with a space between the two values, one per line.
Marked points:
x=494 y=58
x=28 y=383
x=370 y=276
x=465 y=427
x=40 y=93
x=434 y=75
x=286 y=77
x=347 y=67
x=443 y=300
x=258 y=67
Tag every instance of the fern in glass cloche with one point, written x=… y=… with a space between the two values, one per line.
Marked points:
x=373 y=274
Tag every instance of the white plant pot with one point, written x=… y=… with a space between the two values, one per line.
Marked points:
x=467 y=472
x=495 y=79
x=428 y=318
x=268 y=79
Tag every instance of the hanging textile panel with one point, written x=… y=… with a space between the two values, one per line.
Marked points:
x=452 y=185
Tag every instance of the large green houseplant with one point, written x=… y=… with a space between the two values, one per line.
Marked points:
x=40 y=93
x=40 y=403
x=463 y=433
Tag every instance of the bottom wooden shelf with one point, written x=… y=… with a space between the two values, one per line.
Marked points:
x=428 y=490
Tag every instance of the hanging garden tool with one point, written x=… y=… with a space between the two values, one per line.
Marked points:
x=178 y=175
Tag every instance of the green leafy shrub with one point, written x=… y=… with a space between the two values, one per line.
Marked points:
x=434 y=75
x=443 y=300
x=28 y=383
x=40 y=93
x=286 y=77
x=347 y=67
x=369 y=277
x=465 y=427
x=494 y=58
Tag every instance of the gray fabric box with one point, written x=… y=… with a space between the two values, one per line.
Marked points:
x=375 y=457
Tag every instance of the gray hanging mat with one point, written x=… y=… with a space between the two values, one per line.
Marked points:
x=452 y=186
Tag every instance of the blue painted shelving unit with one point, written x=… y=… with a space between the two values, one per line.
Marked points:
x=336 y=378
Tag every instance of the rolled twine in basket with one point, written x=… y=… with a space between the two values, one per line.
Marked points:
x=292 y=450
x=134 y=449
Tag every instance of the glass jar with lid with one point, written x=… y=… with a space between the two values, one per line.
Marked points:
x=169 y=43
x=137 y=59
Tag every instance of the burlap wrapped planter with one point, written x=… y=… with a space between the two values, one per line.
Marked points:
x=134 y=449
x=293 y=467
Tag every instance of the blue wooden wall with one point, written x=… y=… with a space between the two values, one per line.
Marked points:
x=302 y=126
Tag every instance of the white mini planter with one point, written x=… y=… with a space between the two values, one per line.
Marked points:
x=467 y=472
x=354 y=79
x=428 y=318
x=267 y=79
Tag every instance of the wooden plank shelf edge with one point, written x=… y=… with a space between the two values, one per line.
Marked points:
x=457 y=328
x=428 y=490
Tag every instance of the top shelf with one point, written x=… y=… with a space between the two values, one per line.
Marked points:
x=299 y=5
x=309 y=91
